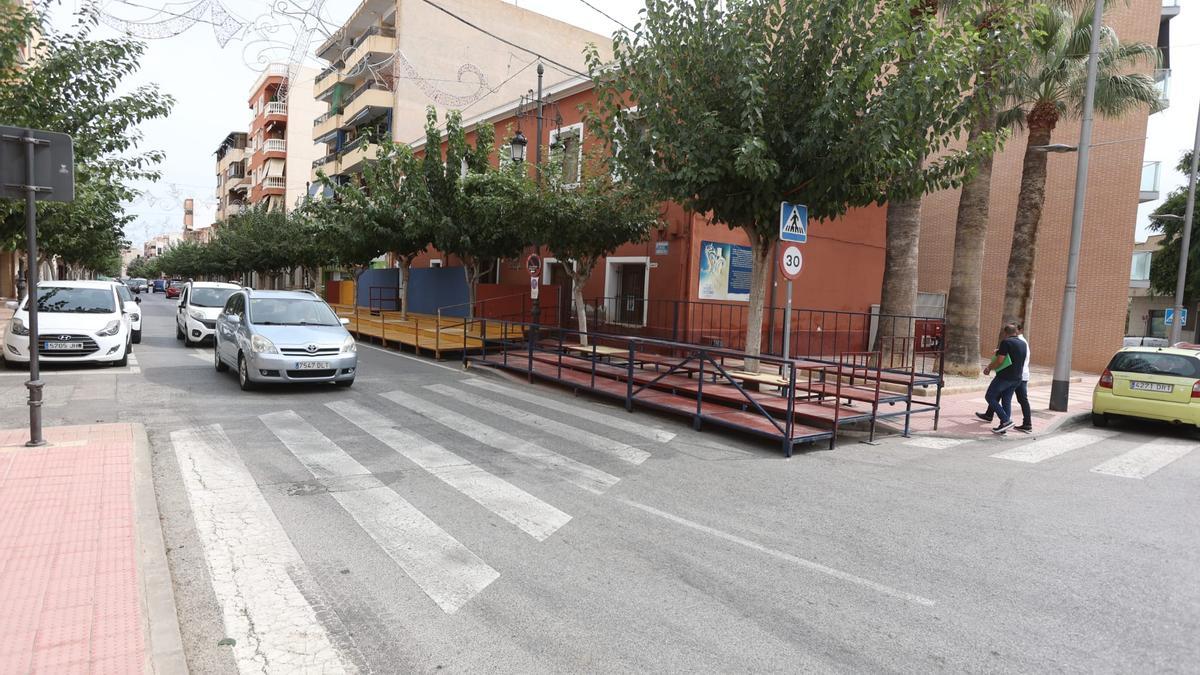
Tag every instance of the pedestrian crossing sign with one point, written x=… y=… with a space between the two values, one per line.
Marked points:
x=793 y=222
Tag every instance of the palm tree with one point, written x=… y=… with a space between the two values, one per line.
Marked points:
x=1049 y=90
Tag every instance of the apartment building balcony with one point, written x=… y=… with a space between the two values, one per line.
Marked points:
x=1149 y=187
x=330 y=164
x=326 y=79
x=275 y=108
x=325 y=127
x=356 y=154
x=1170 y=8
x=369 y=101
x=372 y=47
x=1162 y=81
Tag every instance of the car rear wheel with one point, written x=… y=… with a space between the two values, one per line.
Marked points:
x=1099 y=420
x=220 y=365
x=244 y=380
x=137 y=337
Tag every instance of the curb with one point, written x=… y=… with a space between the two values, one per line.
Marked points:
x=160 y=624
x=1068 y=419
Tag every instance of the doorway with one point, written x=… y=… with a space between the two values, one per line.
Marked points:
x=626 y=287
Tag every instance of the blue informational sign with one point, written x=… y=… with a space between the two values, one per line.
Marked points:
x=725 y=271
x=1169 y=316
x=793 y=222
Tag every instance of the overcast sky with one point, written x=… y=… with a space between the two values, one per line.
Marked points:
x=211 y=85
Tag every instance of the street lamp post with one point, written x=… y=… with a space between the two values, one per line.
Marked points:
x=1060 y=387
x=1188 y=214
x=536 y=305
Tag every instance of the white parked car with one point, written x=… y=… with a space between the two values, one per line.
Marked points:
x=78 y=322
x=135 y=312
x=200 y=304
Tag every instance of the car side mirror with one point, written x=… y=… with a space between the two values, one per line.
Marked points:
x=344 y=321
x=138 y=300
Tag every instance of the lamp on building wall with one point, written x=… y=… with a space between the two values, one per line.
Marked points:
x=517 y=147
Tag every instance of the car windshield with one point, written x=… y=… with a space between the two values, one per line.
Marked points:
x=291 y=312
x=66 y=300
x=210 y=297
x=1155 y=363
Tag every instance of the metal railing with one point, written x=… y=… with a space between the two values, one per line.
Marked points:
x=275 y=108
x=274 y=182
x=275 y=145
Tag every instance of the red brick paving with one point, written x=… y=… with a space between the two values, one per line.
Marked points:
x=68 y=558
x=958 y=411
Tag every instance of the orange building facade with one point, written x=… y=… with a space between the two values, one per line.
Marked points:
x=267 y=148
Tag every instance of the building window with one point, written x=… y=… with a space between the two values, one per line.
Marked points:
x=1141 y=266
x=566 y=147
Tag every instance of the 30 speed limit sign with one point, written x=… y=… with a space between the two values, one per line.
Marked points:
x=790 y=261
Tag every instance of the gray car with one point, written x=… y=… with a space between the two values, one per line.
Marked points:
x=282 y=337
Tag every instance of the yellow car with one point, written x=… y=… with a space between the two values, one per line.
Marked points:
x=1153 y=383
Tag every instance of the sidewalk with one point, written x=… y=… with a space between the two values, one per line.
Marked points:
x=958 y=410
x=81 y=560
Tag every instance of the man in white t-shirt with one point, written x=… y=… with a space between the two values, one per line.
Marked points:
x=1022 y=391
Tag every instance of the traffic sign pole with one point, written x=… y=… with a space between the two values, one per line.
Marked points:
x=790 y=263
x=35 y=383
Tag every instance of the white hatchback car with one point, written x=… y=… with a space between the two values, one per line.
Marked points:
x=135 y=312
x=78 y=321
x=200 y=304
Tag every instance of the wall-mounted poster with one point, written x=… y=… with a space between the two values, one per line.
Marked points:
x=725 y=271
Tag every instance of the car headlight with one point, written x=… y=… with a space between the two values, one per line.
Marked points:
x=19 y=327
x=349 y=346
x=196 y=314
x=261 y=345
x=111 y=328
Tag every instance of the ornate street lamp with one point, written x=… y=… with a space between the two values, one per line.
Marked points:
x=517 y=147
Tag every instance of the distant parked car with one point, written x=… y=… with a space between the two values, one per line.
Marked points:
x=174 y=288
x=199 y=306
x=130 y=304
x=1150 y=383
x=136 y=285
x=158 y=286
x=283 y=336
x=1134 y=341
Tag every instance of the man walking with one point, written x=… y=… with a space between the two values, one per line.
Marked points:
x=1009 y=364
x=1022 y=391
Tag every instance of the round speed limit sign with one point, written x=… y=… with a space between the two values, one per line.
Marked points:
x=790 y=261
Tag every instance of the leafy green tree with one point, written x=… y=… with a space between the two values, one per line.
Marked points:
x=1164 y=263
x=478 y=213
x=1049 y=89
x=75 y=85
x=742 y=105
x=581 y=223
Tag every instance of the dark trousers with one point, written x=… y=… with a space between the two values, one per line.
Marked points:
x=999 y=397
x=1022 y=393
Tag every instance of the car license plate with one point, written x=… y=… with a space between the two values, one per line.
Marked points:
x=1152 y=386
x=312 y=365
x=64 y=346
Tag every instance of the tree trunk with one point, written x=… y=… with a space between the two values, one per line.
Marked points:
x=578 y=279
x=1025 y=227
x=469 y=270
x=405 y=270
x=898 y=297
x=970 y=233
x=760 y=251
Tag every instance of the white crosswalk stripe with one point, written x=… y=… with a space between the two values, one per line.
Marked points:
x=622 y=451
x=532 y=515
x=934 y=443
x=576 y=473
x=1146 y=458
x=1053 y=446
x=448 y=572
x=635 y=426
x=252 y=564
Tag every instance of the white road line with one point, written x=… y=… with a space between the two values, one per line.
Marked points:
x=807 y=564
x=1053 y=446
x=535 y=517
x=1147 y=458
x=448 y=572
x=622 y=451
x=576 y=473
x=933 y=443
x=627 y=425
x=206 y=359
x=251 y=561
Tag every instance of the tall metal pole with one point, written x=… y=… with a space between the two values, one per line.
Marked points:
x=1060 y=388
x=31 y=270
x=1185 y=250
x=537 y=157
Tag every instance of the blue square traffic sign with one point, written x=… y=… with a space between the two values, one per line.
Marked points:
x=1169 y=316
x=793 y=222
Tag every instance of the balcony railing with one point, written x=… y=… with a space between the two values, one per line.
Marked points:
x=322 y=161
x=1149 y=186
x=275 y=145
x=276 y=108
x=274 y=182
x=1162 y=81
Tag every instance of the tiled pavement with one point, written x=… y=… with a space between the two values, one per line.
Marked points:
x=958 y=411
x=68 y=553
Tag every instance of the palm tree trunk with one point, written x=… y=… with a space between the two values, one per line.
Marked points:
x=898 y=297
x=1025 y=227
x=970 y=233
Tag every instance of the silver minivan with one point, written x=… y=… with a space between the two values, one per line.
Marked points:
x=283 y=337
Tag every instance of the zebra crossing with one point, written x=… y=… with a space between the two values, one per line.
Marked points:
x=1146 y=457
x=259 y=577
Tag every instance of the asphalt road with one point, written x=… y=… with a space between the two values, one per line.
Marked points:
x=434 y=519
